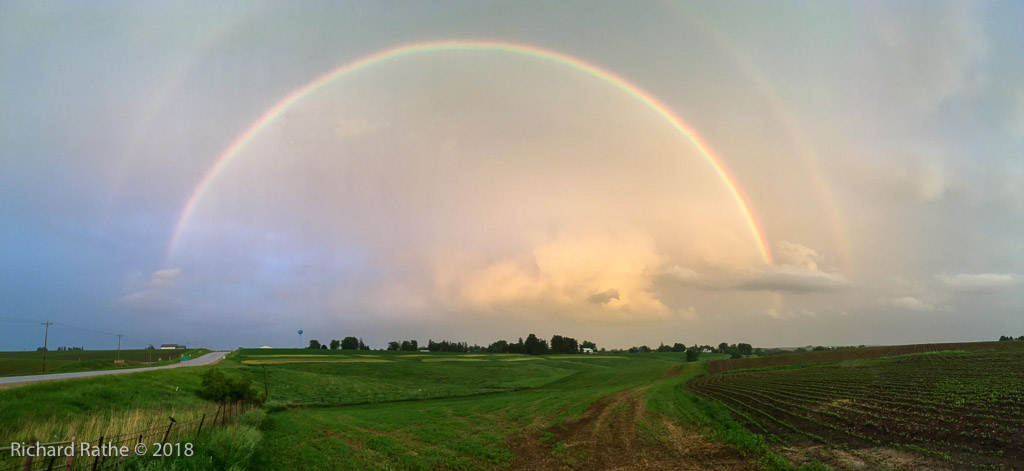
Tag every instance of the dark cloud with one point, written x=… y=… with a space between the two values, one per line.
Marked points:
x=604 y=297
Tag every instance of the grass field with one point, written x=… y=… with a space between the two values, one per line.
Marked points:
x=401 y=410
x=418 y=411
x=954 y=409
x=68 y=361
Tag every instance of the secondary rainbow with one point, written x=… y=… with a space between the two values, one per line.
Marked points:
x=272 y=113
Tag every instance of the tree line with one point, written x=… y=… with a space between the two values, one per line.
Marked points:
x=1007 y=338
x=347 y=343
x=559 y=344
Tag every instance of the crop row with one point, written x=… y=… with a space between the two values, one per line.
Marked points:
x=963 y=408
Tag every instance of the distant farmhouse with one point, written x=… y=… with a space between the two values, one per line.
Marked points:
x=171 y=346
x=588 y=350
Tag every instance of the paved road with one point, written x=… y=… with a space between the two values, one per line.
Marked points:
x=203 y=360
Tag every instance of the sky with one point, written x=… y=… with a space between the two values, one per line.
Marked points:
x=777 y=173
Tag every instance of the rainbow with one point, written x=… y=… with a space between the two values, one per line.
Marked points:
x=275 y=111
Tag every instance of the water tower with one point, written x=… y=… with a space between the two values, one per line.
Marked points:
x=300 y=338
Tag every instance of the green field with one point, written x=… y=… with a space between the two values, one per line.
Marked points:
x=420 y=411
x=403 y=410
x=68 y=361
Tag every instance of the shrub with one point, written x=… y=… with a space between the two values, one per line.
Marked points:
x=217 y=387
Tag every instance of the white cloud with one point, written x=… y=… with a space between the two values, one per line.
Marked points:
x=778 y=313
x=153 y=296
x=791 y=278
x=164 y=277
x=790 y=253
x=910 y=303
x=980 y=282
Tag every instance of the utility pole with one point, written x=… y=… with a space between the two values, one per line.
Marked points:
x=119 y=346
x=46 y=336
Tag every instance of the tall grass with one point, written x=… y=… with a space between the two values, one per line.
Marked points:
x=108 y=424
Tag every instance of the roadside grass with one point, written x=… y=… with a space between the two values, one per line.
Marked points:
x=70 y=361
x=57 y=410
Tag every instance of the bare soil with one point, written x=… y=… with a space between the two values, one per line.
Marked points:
x=608 y=437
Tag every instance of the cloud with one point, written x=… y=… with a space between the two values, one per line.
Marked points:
x=570 y=273
x=980 y=282
x=164 y=277
x=909 y=303
x=153 y=296
x=604 y=297
x=686 y=276
x=797 y=271
x=778 y=313
x=921 y=53
x=791 y=278
x=790 y=253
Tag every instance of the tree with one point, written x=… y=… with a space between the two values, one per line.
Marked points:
x=217 y=387
x=323 y=347
x=678 y=347
x=535 y=346
x=693 y=353
x=394 y=346
x=363 y=346
x=501 y=346
x=349 y=343
x=409 y=346
x=335 y=344
x=314 y=344
x=588 y=344
x=664 y=348
x=745 y=349
x=723 y=347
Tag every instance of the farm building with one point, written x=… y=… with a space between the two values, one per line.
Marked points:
x=171 y=346
x=588 y=350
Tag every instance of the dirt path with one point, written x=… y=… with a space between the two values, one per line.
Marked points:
x=608 y=437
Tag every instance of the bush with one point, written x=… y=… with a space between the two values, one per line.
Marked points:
x=217 y=387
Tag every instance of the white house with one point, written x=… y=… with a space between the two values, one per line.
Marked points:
x=171 y=346
x=588 y=350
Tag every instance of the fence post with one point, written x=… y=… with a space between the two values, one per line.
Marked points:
x=200 y=429
x=168 y=430
x=215 y=416
x=49 y=466
x=28 y=458
x=96 y=462
x=70 y=463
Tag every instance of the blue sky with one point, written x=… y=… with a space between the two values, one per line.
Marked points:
x=478 y=195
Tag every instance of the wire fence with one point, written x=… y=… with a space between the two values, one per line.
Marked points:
x=110 y=452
